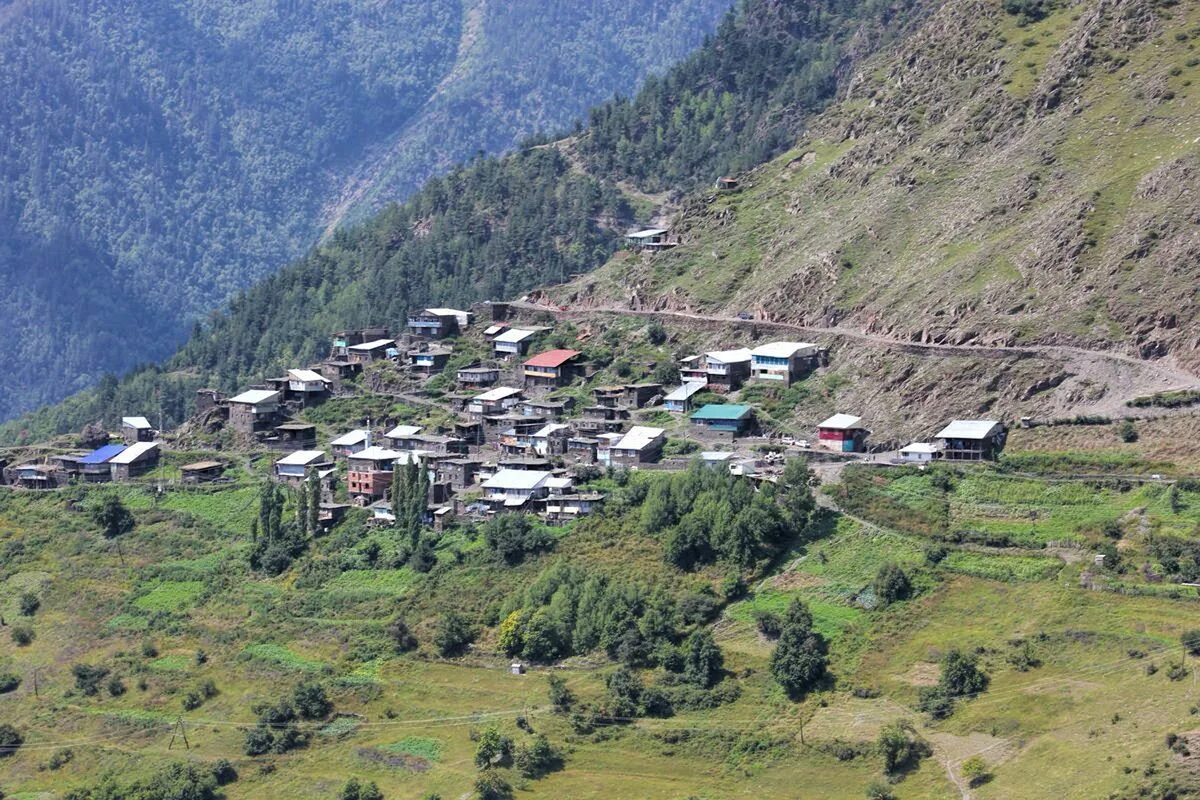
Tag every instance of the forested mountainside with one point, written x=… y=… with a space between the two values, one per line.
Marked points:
x=500 y=226
x=157 y=157
x=1010 y=174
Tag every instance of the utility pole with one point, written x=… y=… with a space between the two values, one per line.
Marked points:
x=35 y=683
x=180 y=731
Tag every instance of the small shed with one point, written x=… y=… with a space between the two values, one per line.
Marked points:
x=919 y=453
x=350 y=443
x=516 y=668
x=136 y=429
x=843 y=433
x=201 y=472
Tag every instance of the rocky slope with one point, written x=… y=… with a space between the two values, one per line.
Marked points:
x=991 y=180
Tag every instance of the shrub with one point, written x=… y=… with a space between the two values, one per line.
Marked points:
x=1127 y=432
x=900 y=746
x=116 y=686
x=360 y=790
x=513 y=536
x=561 y=697
x=1191 y=641
x=494 y=749
x=22 y=635
x=492 y=786
x=224 y=772
x=769 y=624
x=892 y=584
x=10 y=740
x=60 y=759
x=88 y=677
x=879 y=791
x=975 y=770
x=29 y=604
x=311 y=701
x=537 y=759
x=9 y=682
x=703 y=662
x=402 y=638
x=453 y=634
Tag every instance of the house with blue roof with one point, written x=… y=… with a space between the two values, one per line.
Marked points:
x=732 y=419
x=94 y=467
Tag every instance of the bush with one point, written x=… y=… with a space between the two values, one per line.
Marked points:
x=29 y=604
x=703 y=662
x=492 y=786
x=1191 y=641
x=537 y=759
x=22 y=635
x=116 y=686
x=769 y=624
x=513 y=536
x=60 y=759
x=561 y=697
x=975 y=770
x=900 y=747
x=10 y=740
x=224 y=772
x=453 y=635
x=1127 y=432
x=892 y=584
x=9 y=682
x=402 y=638
x=360 y=790
x=311 y=701
x=879 y=791
x=494 y=749
x=88 y=678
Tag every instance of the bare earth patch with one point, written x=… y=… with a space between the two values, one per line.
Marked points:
x=922 y=674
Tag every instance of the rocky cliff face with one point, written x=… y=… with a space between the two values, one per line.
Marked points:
x=990 y=180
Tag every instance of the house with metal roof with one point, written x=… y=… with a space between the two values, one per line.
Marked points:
x=513 y=342
x=294 y=468
x=254 y=410
x=732 y=419
x=94 y=467
x=971 y=439
x=783 y=362
x=552 y=368
x=374 y=350
x=307 y=383
x=651 y=239
x=350 y=443
x=679 y=399
x=136 y=429
x=919 y=453
x=477 y=376
x=438 y=323
x=516 y=488
x=494 y=401
x=137 y=459
x=843 y=433
x=201 y=472
x=641 y=444
x=369 y=473
x=720 y=370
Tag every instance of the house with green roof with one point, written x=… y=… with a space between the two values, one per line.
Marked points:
x=733 y=419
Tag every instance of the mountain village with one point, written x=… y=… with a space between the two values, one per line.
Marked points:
x=529 y=425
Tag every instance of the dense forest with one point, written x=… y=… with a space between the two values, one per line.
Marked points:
x=158 y=157
x=499 y=226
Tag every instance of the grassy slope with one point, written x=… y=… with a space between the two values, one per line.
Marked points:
x=183 y=585
x=944 y=198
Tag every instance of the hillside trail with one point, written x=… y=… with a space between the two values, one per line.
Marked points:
x=1148 y=377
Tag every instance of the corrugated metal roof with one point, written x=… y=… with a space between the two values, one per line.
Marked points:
x=140 y=423
x=782 y=349
x=255 y=397
x=516 y=479
x=302 y=458
x=134 y=453
x=553 y=427
x=714 y=411
x=374 y=453
x=306 y=375
x=729 y=356
x=646 y=234
x=638 y=437
x=841 y=422
x=403 y=430
x=514 y=335
x=685 y=391
x=372 y=345
x=350 y=439
x=967 y=429
x=919 y=447
x=493 y=330
x=103 y=454
x=499 y=393
x=552 y=358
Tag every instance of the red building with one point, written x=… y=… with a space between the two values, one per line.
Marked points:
x=843 y=433
x=552 y=368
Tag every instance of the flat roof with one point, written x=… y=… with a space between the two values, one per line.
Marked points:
x=646 y=233
x=716 y=411
x=499 y=393
x=552 y=358
x=716 y=455
x=781 y=349
x=255 y=396
x=968 y=429
x=141 y=423
x=351 y=438
x=134 y=452
x=198 y=466
x=841 y=422
x=919 y=447
x=638 y=437
x=295 y=426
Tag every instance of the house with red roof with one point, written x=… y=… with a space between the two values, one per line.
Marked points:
x=552 y=368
